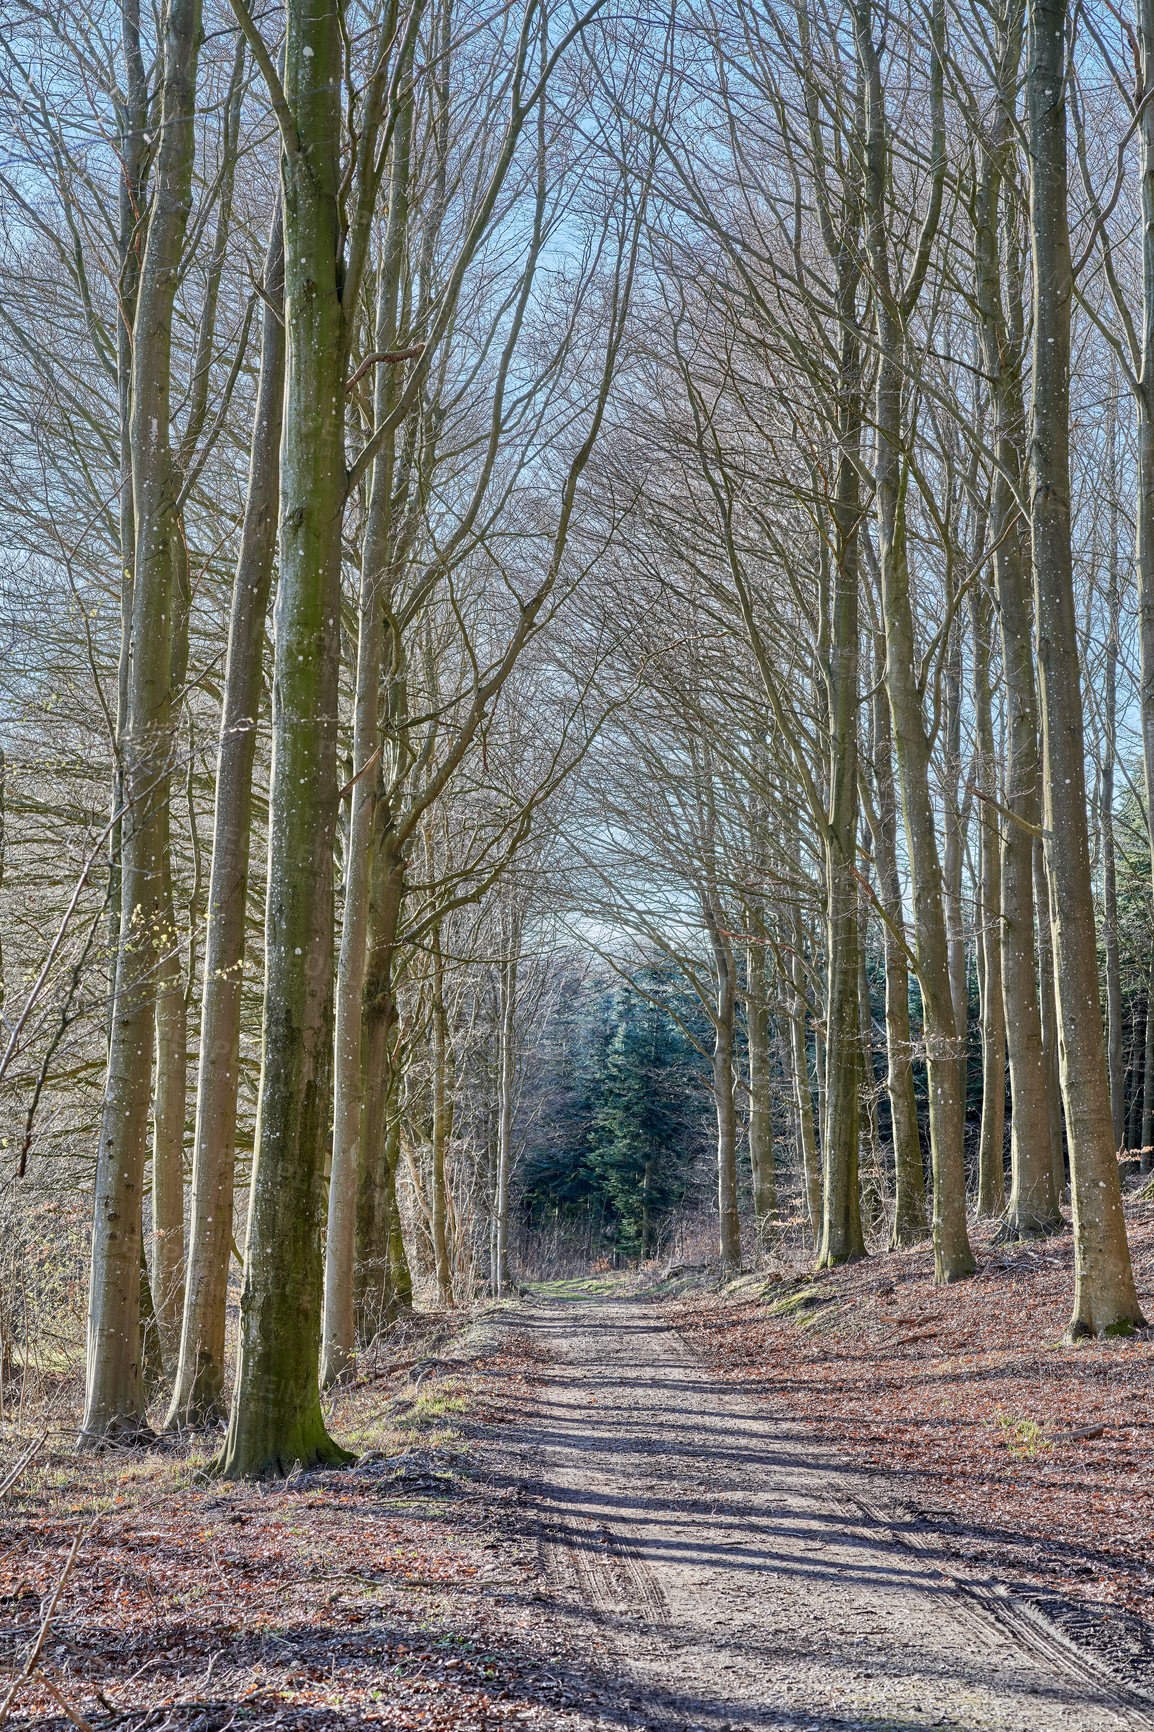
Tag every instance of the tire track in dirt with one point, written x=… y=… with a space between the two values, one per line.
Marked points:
x=1027 y=1625
x=608 y=1573
x=721 y=1571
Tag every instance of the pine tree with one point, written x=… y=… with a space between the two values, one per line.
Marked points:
x=625 y=1111
x=643 y=1128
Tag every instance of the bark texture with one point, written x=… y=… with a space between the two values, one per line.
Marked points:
x=760 y=1103
x=910 y=1225
x=807 y=1139
x=1033 y=1207
x=842 y=1239
x=383 y=1284
x=1105 y=1300
x=339 y=1333
x=723 y=1097
x=991 y=1163
x=1144 y=396
x=276 y=1417
x=506 y=1076
x=893 y=304
x=198 y=1396
x=114 y=1400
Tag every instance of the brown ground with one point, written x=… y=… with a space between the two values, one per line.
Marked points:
x=586 y=1518
x=376 y=1595
x=742 y=1575
x=964 y=1400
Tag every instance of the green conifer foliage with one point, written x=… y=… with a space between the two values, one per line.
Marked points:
x=628 y=1113
x=643 y=1127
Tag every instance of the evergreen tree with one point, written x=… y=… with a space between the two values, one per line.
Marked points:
x=625 y=1113
x=642 y=1131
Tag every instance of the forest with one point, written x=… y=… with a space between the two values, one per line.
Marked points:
x=577 y=693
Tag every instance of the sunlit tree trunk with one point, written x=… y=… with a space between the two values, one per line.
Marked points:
x=991 y=1164
x=168 y=1113
x=276 y=1417
x=1115 y=1056
x=1144 y=478
x=339 y=1330
x=841 y=1236
x=760 y=1113
x=114 y=1397
x=953 y=1257
x=441 y=1126
x=873 y=1190
x=1134 y=1116
x=723 y=1098
x=506 y=1069
x=807 y=1140
x=1051 y=1023
x=198 y=1397
x=170 y=1083
x=173 y=997
x=134 y=160
x=1033 y=1206
x=1105 y=1300
x=910 y=1226
x=383 y=1284
x=954 y=851
x=1146 y=1093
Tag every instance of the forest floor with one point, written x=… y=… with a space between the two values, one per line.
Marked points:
x=1011 y=1456
x=617 y=1506
x=392 y=1593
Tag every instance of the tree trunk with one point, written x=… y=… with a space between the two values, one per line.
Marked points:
x=991 y=1162
x=168 y=1110
x=1115 y=1057
x=383 y=1283
x=276 y=1416
x=910 y=1226
x=953 y=856
x=151 y=1361
x=953 y=1257
x=339 y=1331
x=198 y=1397
x=1033 y=1208
x=807 y=1141
x=442 y=1115
x=729 y=1226
x=170 y=1088
x=114 y=1397
x=1105 y=1300
x=506 y=1072
x=3 y=989
x=134 y=158
x=339 y=1327
x=1138 y=1020
x=170 y=1097
x=1144 y=479
x=841 y=1235
x=872 y=1188
x=819 y=1079
x=1047 y=998
x=1146 y=1135
x=760 y=1113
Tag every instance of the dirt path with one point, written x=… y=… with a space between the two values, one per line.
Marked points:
x=720 y=1572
